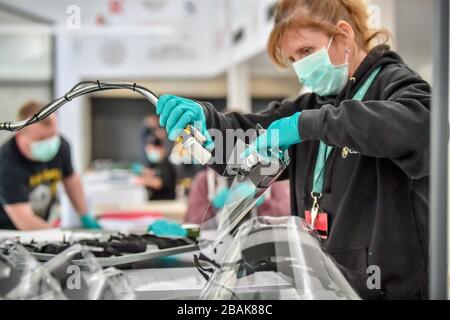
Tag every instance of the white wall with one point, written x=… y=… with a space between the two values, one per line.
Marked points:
x=25 y=69
x=12 y=97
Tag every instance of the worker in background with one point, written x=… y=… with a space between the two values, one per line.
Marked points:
x=32 y=163
x=150 y=125
x=210 y=192
x=157 y=174
x=358 y=143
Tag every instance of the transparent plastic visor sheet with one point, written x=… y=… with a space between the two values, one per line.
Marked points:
x=257 y=258
x=251 y=177
x=22 y=277
x=276 y=259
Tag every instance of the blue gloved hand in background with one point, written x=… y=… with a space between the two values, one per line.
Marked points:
x=176 y=113
x=89 y=222
x=137 y=168
x=165 y=228
x=236 y=193
x=220 y=198
x=280 y=135
x=260 y=201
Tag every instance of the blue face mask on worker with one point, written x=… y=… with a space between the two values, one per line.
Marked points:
x=318 y=74
x=45 y=150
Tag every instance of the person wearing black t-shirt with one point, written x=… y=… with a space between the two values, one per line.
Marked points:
x=32 y=163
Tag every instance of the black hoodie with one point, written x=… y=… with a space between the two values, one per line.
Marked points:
x=376 y=179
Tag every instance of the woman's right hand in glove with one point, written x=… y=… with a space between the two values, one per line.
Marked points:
x=176 y=113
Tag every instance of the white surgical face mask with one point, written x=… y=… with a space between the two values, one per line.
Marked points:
x=45 y=150
x=153 y=156
x=318 y=74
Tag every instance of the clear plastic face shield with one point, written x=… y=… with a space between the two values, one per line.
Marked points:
x=22 y=277
x=245 y=257
x=87 y=281
x=276 y=258
x=250 y=177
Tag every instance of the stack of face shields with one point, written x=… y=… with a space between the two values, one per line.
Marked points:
x=276 y=259
x=22 y=277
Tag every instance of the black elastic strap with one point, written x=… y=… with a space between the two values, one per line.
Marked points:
x=201 y=269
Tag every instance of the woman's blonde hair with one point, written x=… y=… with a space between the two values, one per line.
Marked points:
x=322 y=15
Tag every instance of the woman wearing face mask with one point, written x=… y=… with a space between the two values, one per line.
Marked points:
x=359 y=142
x=158 y=174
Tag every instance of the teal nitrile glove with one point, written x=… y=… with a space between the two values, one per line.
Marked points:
x=260 y=201
x=238 y=192
x=220 y=198
x=137 y=168
x=164 y=228
x=176 y=113
x=241 y=190
x=89 y=222
x=280 y=135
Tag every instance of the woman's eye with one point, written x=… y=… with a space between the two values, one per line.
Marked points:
x=307 y=51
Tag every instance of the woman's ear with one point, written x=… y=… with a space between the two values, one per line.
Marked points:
x=346 y=29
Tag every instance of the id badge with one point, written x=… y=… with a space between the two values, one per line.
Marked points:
x=320 y=224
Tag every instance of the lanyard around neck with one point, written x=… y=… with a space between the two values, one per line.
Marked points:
x=325 y=151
